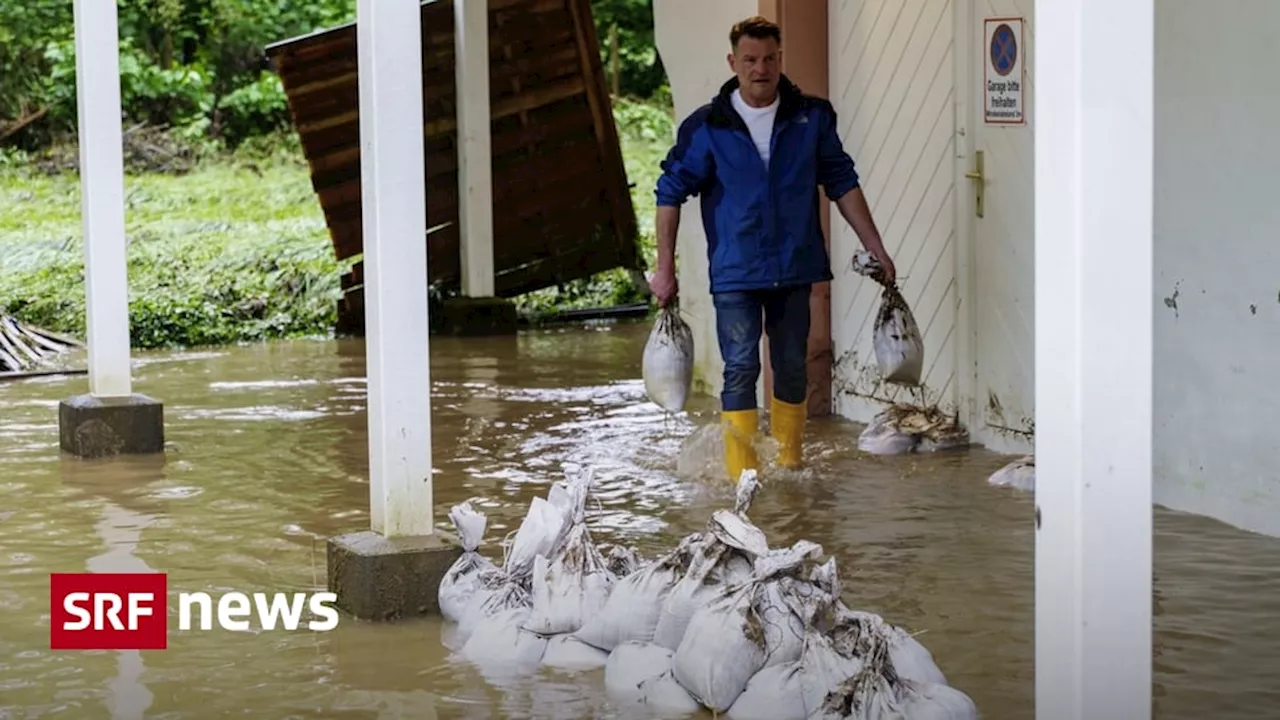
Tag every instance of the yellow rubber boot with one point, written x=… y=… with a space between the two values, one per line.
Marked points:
x=786 y=424
x=739 y=441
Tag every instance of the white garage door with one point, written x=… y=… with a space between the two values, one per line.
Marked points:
x=1000 y=233
x=892 y=83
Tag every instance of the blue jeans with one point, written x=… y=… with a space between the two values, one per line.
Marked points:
x=785 y=314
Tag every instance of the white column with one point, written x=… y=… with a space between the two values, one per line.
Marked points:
x=1093 y=350
x=102 y=197
x=394 y=204
x=475 y=155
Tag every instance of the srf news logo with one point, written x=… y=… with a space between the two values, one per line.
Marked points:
x=129 y=611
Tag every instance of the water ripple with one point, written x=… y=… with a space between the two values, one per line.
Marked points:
x=267 y=458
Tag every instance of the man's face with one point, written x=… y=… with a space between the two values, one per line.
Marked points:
x=757 y=63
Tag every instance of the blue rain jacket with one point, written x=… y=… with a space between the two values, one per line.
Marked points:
x=762 y=224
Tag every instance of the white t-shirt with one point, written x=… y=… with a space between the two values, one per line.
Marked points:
x=759 y=122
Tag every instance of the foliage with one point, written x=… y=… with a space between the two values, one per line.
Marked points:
x=228 y=253
x=646 y=131
x=641 y=72
x=197 y=66
x=193 y=65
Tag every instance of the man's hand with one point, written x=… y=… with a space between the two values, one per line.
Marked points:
x=890 y=273
x=664 y=286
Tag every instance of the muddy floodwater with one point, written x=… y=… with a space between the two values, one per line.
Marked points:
x=267 y=458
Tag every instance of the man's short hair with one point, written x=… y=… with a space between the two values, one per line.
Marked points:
x=755 y=27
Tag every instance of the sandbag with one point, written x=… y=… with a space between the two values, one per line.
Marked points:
x=1019 y=474
x=561 y=497
x=721 y=649
x=639 y=674
x=571 y=589
x=566 y=652
x=877 y=692
x=575 y=583
x=878 y=699
x=858 y=633
x=734 y=636
x=500 y=641
x=795 y=690
x=510 y=595
x=696 y=588
x=896 y=339
x=540 y=532
x=945 y=440
x=825 y=578
x=744 y=493
x=622 y=561
x=634 y=606
x=667 y=364
x=798 y=688
x=788 y=602
x=472 y=577
x=903 y=428
x=782 y=627
x=725 y=555
x=881 y=438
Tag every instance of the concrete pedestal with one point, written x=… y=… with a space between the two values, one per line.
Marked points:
x=380 y=578
x=91 y=427
x=470 y=316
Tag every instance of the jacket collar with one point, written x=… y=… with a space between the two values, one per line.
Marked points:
x=723 y=115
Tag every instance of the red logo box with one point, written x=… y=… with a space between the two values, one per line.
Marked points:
x=105 y=611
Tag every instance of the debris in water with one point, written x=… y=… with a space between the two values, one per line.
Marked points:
x=904 y=428
x=24 y=348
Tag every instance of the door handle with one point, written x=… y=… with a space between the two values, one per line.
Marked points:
x=979 y=174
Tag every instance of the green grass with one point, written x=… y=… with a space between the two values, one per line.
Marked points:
x=224 y=254
x=237 y=250
x=647 y=132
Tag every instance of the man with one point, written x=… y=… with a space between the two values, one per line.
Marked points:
x=756 y=154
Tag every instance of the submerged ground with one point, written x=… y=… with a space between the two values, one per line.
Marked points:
x=267 y=458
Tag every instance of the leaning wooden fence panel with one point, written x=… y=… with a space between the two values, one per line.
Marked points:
x=562 y=206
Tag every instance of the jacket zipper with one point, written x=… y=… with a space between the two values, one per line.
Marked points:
x=778 y=126
x=772 y=216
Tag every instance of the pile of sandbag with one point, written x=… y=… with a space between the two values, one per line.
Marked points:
x=721 y=621
x=904 y=428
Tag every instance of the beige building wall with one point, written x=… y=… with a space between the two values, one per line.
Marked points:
x=693 y=40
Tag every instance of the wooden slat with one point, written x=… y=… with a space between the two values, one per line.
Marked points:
x=541 y=95
x=544 y=55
